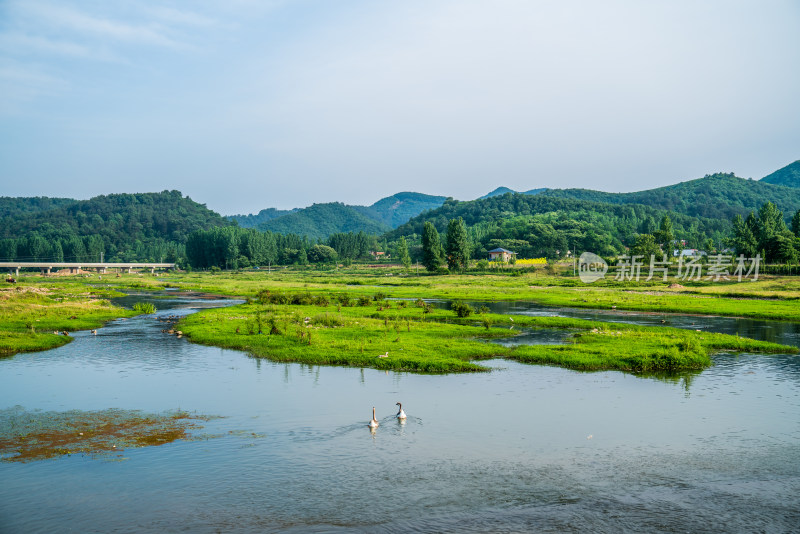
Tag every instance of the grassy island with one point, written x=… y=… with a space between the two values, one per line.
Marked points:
x=338 y=329
x=345 y=317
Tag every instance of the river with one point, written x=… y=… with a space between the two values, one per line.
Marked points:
x=523 y=448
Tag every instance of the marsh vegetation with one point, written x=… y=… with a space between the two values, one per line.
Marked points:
x=338 y=329
x=36 y=435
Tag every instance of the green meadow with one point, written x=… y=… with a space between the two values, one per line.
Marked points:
x=345 y=317
x=35 y=317
x=338 y=329
x=771 y=297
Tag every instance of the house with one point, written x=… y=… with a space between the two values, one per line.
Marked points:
x=501 y=254
x=688 y=252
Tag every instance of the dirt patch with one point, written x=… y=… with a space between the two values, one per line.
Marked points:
x=26 y=436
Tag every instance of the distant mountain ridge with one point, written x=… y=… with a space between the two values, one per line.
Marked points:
x=715 y=196
x=253 y=221
x=788 y=176
x=503 y=190
x=320 y=221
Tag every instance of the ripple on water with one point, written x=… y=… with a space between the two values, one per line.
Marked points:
x=500 y=451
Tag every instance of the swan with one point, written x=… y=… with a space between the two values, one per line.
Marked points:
x=400 y=413
x=374 y=423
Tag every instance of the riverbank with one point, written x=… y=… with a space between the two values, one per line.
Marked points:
x=36 y=318
x=334 y=329
x=771 y=297
x=366 y=326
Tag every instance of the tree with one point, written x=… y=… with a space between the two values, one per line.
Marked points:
x=743 y=239
x=432 y=252
x=664 y=236
x=646 y=246
x=796 y=224
x=321 y=254
x=458 y=249
x=402 y=252
x=770 y=222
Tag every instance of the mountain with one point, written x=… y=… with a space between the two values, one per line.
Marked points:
x=397 y=209
x=497 y=192
x=252 y=221
x=22 y=206
x=788 y=176
x=541 y=225
x=715 y=196
x=125 y=227
x=503 y=190
x=319 y=221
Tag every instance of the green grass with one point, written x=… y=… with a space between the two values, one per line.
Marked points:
x=437 y=341
x=29 y=316
x=769 y=298
x=340 y=332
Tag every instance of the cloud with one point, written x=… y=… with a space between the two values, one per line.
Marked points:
x=71 y=19
x=21 y=44
x=181 y=17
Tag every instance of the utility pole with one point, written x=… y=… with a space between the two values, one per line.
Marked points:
x=573 y=258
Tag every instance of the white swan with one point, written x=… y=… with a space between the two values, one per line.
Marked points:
x=374 y=423
x=400 y=413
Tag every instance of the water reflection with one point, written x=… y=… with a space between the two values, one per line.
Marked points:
x=500 y=451
x=786 y=333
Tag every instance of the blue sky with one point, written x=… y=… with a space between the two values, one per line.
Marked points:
x=245 y=105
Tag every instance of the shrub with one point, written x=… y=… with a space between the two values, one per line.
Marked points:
x=321 y=300
x=144 y=307
x=462 y=309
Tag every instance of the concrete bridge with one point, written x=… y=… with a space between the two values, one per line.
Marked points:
x=46 y=267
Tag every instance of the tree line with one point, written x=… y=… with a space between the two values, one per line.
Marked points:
x=767 y=234
x=233 y=247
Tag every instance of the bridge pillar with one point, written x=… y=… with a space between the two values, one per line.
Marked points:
x=152 y=270
x=101 y=270
x=126 y=270
x=45 y=271
x=16 y=269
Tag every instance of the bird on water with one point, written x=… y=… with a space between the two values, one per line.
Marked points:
x=374 y=422
x=400 y=413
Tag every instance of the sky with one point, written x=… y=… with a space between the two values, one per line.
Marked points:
x=244 y=105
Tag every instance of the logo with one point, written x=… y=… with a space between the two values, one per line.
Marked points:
x=591 y=267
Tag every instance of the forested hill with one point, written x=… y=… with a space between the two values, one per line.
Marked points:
x=122 y=226
x=322 y=220
x=503 y=190
x=541 y=225
x=23 y=206
x=788 y=176
x=252 y=221
x=398 y=209
x=715 y=196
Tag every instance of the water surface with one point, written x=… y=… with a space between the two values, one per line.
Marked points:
x=523 y=448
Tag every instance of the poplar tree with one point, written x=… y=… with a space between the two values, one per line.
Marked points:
x=457 y=245
x=402 y=252
x=431 y=247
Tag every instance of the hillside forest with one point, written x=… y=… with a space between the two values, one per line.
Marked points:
x=719 y=212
